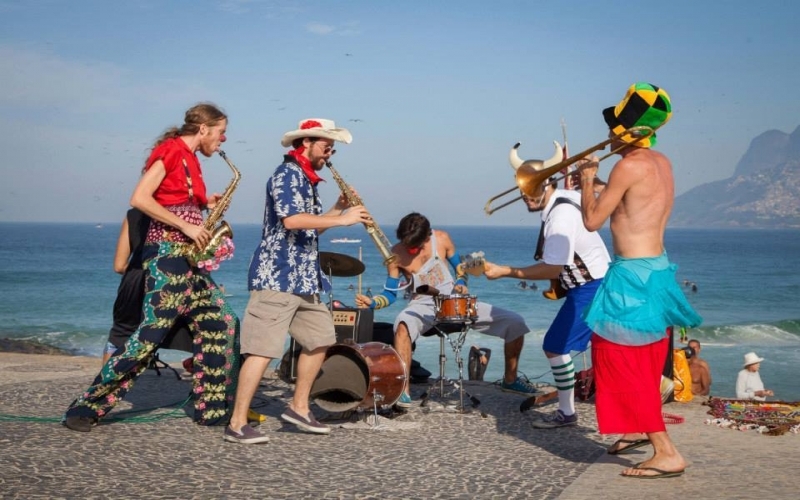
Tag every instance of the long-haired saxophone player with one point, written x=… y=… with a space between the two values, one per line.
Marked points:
x=172 y=193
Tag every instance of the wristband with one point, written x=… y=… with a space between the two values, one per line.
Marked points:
x=454 y=260
x=379 y=302
x=392 y=284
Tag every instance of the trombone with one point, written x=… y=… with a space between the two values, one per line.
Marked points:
x=529 y=178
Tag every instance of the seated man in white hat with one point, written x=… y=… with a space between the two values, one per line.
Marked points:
x=748 y=383
x=286 y=279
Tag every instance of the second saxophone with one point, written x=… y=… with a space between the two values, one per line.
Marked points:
x=373 y=230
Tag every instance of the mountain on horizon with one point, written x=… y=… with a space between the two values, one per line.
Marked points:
x=763 y=192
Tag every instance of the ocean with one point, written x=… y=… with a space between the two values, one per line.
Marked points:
x=58 y=287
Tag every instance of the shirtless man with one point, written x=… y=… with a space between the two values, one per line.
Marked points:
x=639 y=297
x=701 y=372
x=423 y=256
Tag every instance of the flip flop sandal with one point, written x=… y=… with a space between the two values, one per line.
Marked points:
x=659 y=473
x=632 y=444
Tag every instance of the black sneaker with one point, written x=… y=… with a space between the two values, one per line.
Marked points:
x=308 y=424
x=80 y=424
x=246 y=435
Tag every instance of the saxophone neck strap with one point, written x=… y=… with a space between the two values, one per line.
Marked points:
x=188 y=180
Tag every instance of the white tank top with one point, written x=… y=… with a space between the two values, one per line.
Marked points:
x=435 y=272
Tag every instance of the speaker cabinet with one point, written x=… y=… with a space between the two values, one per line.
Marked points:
x=351 y=325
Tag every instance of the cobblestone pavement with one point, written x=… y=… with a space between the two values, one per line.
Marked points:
x=148 y=448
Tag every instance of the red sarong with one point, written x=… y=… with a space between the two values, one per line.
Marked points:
x=628 y=380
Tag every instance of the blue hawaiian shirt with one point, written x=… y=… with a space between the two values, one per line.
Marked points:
x=288 y=260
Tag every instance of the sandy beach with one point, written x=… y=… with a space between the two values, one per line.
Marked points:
x=489 y=452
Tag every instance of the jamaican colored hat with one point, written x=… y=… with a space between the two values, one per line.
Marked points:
x=644 y=104
x=317 y=127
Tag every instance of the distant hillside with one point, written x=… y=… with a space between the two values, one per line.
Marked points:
x=764 y=191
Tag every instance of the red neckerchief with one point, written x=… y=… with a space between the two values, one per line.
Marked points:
x=305 y=164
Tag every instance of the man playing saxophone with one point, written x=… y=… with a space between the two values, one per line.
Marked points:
x=286 y=280
x=172 y=193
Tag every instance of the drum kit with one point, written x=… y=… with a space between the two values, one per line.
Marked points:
x=338 y=264
x=454 y=315
x=372 y=375
x=356 y=376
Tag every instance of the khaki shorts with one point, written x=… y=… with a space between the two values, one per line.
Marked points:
x=270 y=315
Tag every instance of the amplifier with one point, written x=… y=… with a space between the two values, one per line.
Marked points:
x=351 y=324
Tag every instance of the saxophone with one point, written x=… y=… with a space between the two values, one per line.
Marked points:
x=223 y=230
x=373 y=230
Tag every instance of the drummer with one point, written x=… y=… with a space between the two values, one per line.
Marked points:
x=422 y=257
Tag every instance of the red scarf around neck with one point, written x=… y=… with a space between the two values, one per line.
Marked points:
x=305 y=164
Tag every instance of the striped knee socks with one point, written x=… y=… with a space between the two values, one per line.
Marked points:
x=564 y=375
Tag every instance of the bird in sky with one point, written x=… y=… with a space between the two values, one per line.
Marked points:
x=356 y=120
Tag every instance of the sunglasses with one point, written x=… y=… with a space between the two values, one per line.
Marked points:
x=326 y=149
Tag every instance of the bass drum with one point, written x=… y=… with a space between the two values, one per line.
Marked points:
x=358 y=376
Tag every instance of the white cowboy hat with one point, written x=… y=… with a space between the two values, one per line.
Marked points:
x=751 y=358
x=317 y=127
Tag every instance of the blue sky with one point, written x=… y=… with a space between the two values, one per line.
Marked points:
x=442 y=89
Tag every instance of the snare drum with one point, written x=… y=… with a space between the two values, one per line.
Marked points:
x=455 y=308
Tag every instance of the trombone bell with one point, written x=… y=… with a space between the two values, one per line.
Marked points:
x=526 y=176
x=526 y=182
x=533 y=174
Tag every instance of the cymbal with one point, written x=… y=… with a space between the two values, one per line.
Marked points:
x=337 y=264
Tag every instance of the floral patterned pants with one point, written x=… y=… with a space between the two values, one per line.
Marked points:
x=174 y=289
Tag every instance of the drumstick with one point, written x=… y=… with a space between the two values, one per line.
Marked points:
x=359 y=276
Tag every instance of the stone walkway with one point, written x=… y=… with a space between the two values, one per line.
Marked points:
x=148 y=448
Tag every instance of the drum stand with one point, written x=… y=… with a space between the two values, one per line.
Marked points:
x=156 y=364
x=456 y=334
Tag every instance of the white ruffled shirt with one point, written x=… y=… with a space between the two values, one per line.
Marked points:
x=747 y=383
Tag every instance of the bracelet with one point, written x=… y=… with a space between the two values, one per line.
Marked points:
x=379 y=302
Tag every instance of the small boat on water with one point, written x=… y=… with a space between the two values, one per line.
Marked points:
x=345 y=240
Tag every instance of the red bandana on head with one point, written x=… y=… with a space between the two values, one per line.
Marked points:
x=414 y=250
x=304 y=162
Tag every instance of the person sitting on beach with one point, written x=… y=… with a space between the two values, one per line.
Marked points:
x=423 y=254
x=574 y=260
x=173 y=194
x=748 y=383
x=701 y=372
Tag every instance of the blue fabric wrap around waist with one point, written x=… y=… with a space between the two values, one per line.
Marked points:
x=638 y=300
